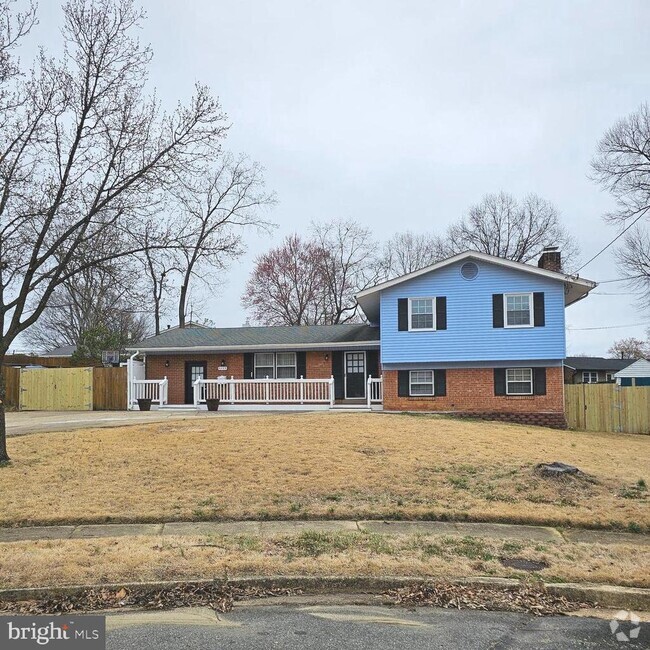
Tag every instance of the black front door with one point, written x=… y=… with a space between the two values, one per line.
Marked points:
x=193 y=370
x=355 y=375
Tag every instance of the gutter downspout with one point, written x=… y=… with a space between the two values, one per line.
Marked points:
x=129 y=374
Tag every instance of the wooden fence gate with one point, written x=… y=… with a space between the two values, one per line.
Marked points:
x=56 y=389
x=608 y=407
x=109 y=389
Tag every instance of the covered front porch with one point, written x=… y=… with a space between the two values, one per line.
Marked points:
x=258 y=394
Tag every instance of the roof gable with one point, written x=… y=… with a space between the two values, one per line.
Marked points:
x=575 y=288
x=640 y=368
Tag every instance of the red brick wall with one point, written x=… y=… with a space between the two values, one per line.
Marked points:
x=317 y=366
x=175 y=373
x=471 y=391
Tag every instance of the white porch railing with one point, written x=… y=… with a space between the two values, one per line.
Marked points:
x=153 y=389
x=265 y=391
x=375 y=390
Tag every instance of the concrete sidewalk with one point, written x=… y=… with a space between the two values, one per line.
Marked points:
x=262 y=528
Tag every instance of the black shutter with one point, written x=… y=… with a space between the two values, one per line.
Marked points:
x=372 y=363
x=337 y=373
x=499 y=381
x=439 y=383
x=539 y=381
x=402 y=314
x=538 y=311
x=248 y=365
x=301 y=364
x=403 y=383
x=497 y=310
x=441 y=313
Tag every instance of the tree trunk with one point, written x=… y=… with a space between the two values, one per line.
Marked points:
x=181 y=305
x=4 y=456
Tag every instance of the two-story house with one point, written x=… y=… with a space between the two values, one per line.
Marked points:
x=474 y=334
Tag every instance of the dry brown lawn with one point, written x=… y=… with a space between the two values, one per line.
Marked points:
x=325 y=465
x=116 y=560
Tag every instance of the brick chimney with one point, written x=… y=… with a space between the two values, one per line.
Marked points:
x=550 y=259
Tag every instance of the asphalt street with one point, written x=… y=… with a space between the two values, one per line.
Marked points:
x=361 y=627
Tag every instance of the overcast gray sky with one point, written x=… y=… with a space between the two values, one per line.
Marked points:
x=402 y=114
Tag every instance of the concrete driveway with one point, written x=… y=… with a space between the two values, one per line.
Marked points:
x=25 y=422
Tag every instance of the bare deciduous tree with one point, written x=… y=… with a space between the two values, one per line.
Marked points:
x=406 y=252
x=622 y=166
x=315 y=281
x=83 y=150
x=94 y=298
x=349 y=265
x=286 y=287
x=213 y=212
x=516 y=230
x=630 y=348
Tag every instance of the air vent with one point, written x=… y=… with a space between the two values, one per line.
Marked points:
x=469 y=270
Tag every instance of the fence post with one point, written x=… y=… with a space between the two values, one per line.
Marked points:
x=302 y=390
x=369 y=390
x=231 y=390
x=266 y=389
x=331 y=390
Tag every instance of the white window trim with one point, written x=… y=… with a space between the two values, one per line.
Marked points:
x=433 y=389
x=531 y=308
x=589 y=373
x=609 y=377
x=433 y=314
x=532 y=380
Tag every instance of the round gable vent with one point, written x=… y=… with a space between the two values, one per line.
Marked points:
x=469 y=270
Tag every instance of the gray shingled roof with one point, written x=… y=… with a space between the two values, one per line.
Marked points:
x=597 y=363
x=226 y=338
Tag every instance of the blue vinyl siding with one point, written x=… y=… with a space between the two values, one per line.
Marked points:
x=469 y=335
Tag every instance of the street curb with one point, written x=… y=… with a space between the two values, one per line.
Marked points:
x=603 y=595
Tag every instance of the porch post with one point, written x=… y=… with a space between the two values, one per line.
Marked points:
x=332 y=390
x=302 y=390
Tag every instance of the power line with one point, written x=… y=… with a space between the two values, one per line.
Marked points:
x=631 y=277
x=607 y=327
x=613 y=293
x=620 y=234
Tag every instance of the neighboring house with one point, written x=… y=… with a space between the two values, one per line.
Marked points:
x=636 y=374
x=474 y=334
x=592 y=370
x=65 y=351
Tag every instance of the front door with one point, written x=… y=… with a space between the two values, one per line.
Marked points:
x=355 y=375
x=193 y=370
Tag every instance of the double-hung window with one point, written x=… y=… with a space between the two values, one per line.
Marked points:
x=279 y=365
x=519 y=381
x=589 y=377
x=264 y=365
x=421 y=382
x=518 y=308
x=285 y=365
x=421 y=314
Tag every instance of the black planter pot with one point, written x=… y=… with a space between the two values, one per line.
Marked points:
x=144 y=404
x=213 y=404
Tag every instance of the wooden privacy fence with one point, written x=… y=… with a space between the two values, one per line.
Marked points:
x=109 y=389
x=608 y=407
x=56 y=389
x=65 y=389
x=11 y=377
